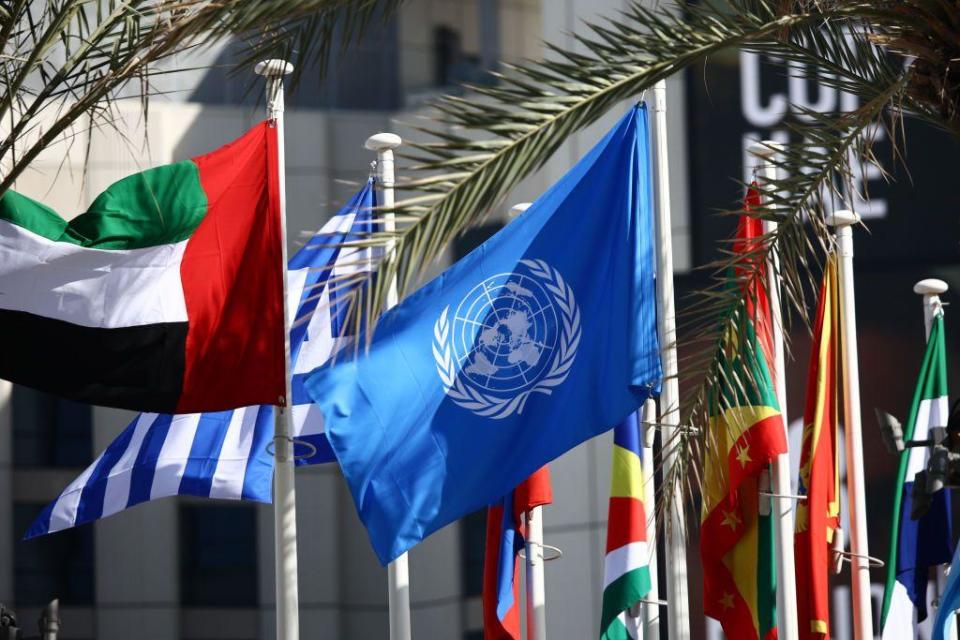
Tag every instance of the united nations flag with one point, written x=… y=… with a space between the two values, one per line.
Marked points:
x=541 y=338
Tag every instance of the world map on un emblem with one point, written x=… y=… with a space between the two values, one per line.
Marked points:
x=505 y=333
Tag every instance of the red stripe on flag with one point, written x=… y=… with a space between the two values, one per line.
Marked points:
x=232 y=274
x=627 y=522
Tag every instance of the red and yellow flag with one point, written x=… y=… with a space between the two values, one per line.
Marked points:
x=745 y=434
x=818 y=515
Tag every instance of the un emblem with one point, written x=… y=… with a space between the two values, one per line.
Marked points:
x=513 y=335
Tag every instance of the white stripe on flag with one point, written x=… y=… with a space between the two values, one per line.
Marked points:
x=234 y=455
x=624 y=559
x=173 y=456
x=902 y=615
x=117 y=492
x=932 y=412
x=632 y=626
x=307 y=419
x=82 y=286
x=64 y=514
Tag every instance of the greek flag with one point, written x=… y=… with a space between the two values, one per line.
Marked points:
x=225 y=454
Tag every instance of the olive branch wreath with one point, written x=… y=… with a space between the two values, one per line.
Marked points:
x=491 y=406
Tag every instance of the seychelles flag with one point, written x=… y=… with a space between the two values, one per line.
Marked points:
x=626 y=570
x=147 y=300
x=917 y=545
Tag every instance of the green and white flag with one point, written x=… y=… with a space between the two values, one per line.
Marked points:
x=917 y=545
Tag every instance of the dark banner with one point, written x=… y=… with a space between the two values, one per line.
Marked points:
x=739 y=98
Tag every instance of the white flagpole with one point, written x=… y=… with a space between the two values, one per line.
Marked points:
x=398 y=571
x=650 y=610
x=284 y=487
x=536 y=586
x=931 y=289
x=678 y=604
x=786 y=573
x=860 y=554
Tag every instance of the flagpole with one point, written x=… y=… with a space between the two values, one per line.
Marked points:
x=931 y=289
x=842 y=221
x=398 y=571
x=678 y=605
x=786 y=573
x=536 y=596
x=284 y=487
x=651 y=610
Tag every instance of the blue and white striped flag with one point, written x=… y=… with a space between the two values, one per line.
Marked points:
x=224 y=454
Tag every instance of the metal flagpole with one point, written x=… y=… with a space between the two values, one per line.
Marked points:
x=786 y=573
x=931 y=289
x=536 y=585
x=860 y=555
x=284 y=488
x=678 y=605
x=651 y=610
x=398 y=571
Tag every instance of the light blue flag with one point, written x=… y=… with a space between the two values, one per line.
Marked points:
x=949 y=601
x=541 y=338
x=225 y=454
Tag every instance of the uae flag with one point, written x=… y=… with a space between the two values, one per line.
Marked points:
x=164 y=296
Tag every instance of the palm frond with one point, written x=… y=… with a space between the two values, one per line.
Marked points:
x=63 y=60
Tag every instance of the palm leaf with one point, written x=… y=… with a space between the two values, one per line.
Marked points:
x=62 y=60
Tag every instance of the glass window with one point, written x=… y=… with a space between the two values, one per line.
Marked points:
x=473 y=535
x=49 y=431
x=218 y=555
x=59 y=565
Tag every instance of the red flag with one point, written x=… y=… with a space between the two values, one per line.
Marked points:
x=501 y=570
x=818 y=516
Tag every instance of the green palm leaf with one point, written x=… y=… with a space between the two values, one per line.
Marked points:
x=63 y=59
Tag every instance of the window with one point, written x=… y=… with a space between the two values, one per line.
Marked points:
x=49 y=431
x=473 y=535
x=473 y=238
x=218 y=556
x=59 y=565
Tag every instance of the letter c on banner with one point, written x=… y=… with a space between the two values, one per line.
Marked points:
x=757 y=114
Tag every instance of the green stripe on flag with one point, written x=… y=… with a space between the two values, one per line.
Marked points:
x=616 y=631
x=931 y=383
x=621 y=594
x=158 y=206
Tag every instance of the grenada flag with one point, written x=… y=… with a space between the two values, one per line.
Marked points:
x=745 y=435
x=164 y=296
x=818 y=515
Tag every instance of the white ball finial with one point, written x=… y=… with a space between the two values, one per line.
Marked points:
x=273 y=68
x=519 y=208
x=842 y=218
x=382 y=141
x=930 y=286
x=765 y=149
